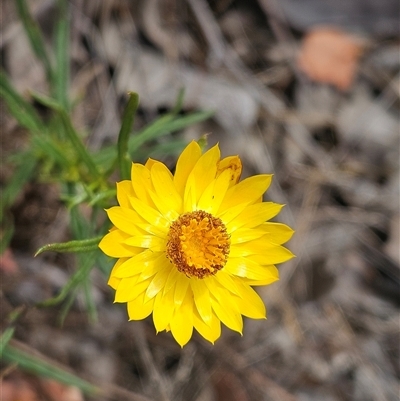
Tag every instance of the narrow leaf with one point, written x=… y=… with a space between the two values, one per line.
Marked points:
x=128 y=117
x=40 y=367
x=70 y=132
x=21 y=110
x=85 y=245
x=5 y=338
x=179 y=101
x=6 y=234
x=62 y=55
x=164 y=125
x=76 y=280
x=35 y=37
x=21 y=176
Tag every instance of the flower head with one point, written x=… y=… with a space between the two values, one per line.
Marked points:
x=190 y=246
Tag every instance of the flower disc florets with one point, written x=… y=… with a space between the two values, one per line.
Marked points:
x=198 y=244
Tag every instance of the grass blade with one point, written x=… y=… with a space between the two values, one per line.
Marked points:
x=35 y=37
x=22 y=110
x=6 y=234
x=61 y=78
x=41 y=367
x=5 y=338
x=21 y=176
x=128 y=117
x=164 y=125
x=72 y=135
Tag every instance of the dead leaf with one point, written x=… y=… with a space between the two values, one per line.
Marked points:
x=60 y=392
x=8 y=263
x=17 y=390
x=329 y=55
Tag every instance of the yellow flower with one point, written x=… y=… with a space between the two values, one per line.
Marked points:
x=190 y=246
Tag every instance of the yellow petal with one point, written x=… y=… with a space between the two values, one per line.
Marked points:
x=157 y=283
x=157 y=263
x=256 y=282
x=150 y=163
x=278 y=233
x=229 y=214
x=250 y=304
x=125 y=291
x=117 y=265
x=225 y=280
x=234 y=165
x=156 y=244
x=136 y=264
x=246 y=234
x=261 y=251
x=151 y=229
x=200 y=177
x=182 y=321
x=167 y=207
x=124 y=192
x=247 y=191
x=274 y=255
x=112 y=245
x=171 y=280
x=227 y=310
x=141 y=182
x=113 y=282
x=185 y=164
x=140 y=308
x=124 y=219
x=150 y=214
x=213 y=195
x=245 y=267
x=254 y=215
x=209 y=332
x=139 y=288
x=181 y=289
x=202 y=299
x=164 y=186
x=164 y=307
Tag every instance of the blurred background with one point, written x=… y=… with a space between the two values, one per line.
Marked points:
x=308 y=90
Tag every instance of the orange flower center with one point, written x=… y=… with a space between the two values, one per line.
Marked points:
x=198 y=244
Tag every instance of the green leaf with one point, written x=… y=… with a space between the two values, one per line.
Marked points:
x=53 y=150
x=179 y=101
x=67 y=304
x=89 y=301
x=35 y=37
x=103 y=196
x=172 y=147
x=85 y=245
x=128 y=117
x=203 y=141
x=5 y=338
x=6 y=234
x=21 y=176
x=164 y=125
x=75 y=280
x=70 y=132
x=41 y=367
x=161 y=127
x=156 y=129
x=22 y=110
x=80 y=227
x=62 y=55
